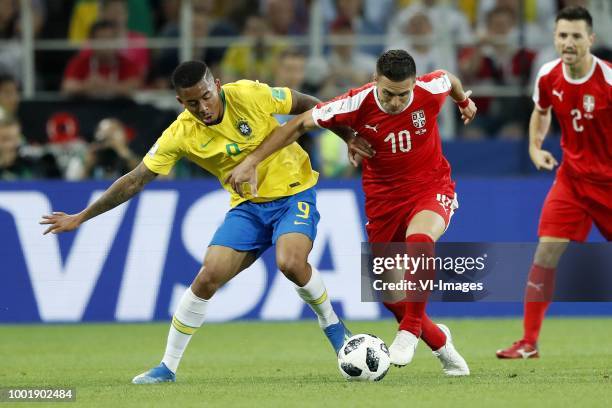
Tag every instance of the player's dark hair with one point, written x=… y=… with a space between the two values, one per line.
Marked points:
x=189 y=73
x=397 y=65
x=575 y=13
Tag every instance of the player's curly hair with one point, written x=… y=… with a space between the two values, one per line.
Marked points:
x=397 y=65
x=575 y=13
x=189 y=73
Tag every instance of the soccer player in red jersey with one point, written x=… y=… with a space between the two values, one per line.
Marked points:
x=410 y=196
x=577 y=87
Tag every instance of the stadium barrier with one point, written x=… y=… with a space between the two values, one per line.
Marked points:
x=134 y=262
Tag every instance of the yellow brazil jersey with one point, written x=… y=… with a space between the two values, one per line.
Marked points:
x=247 y=121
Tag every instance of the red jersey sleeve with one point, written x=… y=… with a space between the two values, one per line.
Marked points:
x=343 y=110
x=437 y=84
x=541 y=89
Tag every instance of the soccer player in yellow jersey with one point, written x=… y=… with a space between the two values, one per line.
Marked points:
x=220 y=126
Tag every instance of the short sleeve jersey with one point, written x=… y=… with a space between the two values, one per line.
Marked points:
x=408 y=148
x=247 y=120
x=583 y=108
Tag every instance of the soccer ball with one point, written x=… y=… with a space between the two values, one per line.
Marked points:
x=364 y=357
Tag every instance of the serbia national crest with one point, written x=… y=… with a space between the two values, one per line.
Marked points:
x=588 y=103
x=418 y=118
x=244 y=128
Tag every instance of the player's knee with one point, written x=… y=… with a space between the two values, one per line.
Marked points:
x=206 y=283
x=291 y=264
x=548 y=254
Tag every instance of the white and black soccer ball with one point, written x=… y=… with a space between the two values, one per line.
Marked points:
x=364 y=357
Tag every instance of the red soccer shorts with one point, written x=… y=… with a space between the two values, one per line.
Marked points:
x=571 y=207
x=391 y=225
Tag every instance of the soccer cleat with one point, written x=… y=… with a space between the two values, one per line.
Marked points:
x=337 y=334
x=519 y=349
x=403 y=347
x=452 y=362
x=158 y=374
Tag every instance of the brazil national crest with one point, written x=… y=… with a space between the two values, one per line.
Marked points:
x=418 y=118
x=244 y=128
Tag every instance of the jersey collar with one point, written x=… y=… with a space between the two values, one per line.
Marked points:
x=383 y=109
x=582 y=80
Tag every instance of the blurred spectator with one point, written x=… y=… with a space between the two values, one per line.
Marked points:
x=447 y=21
x=377 y=13
x=85 y=12
x=9 y=96
x=419 y=40
x=109 y=155
x=135 y=48
x=101 y=72
x=354 y=12
x=290 y=72
x=15 y=164
x=281 y=16
x=497 y=60
x=253 y=59
x=532 y=18
x=202 y=27
x=347 y=66
x=11 y=53
x=290 y=69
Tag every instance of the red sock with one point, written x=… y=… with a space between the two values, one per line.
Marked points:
x=538 y=295
x=397 y=308
x=413 y=316
x=431 y=334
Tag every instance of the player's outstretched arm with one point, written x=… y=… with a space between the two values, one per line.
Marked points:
x=466 y=106
x=539 y=123
x=119 y=192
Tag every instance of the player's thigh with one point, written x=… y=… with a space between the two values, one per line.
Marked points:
x=549 y=251
x=292 y=251
x=598 y=200
x=564 y=214
x=431 y=214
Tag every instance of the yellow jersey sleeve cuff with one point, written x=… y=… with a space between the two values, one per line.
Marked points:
x=164 y=171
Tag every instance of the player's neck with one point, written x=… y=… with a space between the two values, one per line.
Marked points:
x=579 y=70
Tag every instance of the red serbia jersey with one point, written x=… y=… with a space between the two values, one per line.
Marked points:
x=583 y=108
x=408 y=158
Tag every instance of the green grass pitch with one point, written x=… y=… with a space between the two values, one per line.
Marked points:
x=254 y=364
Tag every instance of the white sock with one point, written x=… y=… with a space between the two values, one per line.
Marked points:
x=315 y=294
x=188 y=317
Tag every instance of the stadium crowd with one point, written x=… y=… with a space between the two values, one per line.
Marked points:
x=485 y=42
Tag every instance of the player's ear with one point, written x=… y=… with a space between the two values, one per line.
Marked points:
x=179 y=100
x=218 y=84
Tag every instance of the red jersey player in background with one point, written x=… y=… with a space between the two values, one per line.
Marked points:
x=409 y=193
x=577 y=87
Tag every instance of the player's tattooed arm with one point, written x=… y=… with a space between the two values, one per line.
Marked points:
x=300 y=102
x=119 y=192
